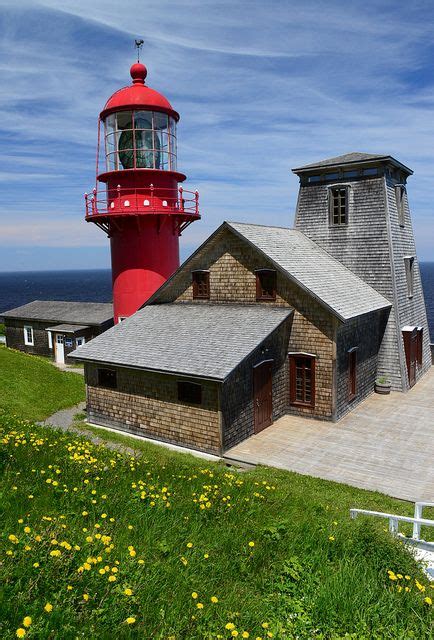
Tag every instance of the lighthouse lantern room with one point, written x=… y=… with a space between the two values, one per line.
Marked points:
x=137 y=199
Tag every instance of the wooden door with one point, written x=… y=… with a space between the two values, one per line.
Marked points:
x=410 y=347
x=263 y=395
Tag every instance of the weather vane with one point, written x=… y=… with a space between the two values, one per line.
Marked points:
x=138 y=45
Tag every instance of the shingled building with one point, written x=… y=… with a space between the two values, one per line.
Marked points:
x=261 y=321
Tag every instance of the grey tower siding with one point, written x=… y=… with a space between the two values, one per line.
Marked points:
x=373 y=246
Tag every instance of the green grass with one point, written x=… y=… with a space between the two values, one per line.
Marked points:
x=311 y=572
x=33 y=388
x=2 y=329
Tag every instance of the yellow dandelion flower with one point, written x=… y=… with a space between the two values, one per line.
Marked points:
x=229 y=626
x=141 y=561
x=133 y=553
x=130 y=620
x=27 y=529
x=85 y=597
x=112 y=578
x=69 y=588
x=407 y=577
x=194 y=595
x=128 y=592
x=48 y=607
x=214 y=599
x=36 y=565
x=331 y=538
x=399 y=575
x=428 y=601
x=27 y=621
x=245 y=634
x=20 y=632
x=199 y=605
x=234 y=633
x=189 y=545
x=206 y=556
x=265 y=625
x=251 y=543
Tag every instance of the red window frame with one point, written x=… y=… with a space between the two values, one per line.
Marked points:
x=302 y=380
x=266 y=291
x=201 y=289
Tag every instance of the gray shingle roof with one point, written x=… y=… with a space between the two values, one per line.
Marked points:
x=59 y=311
x=68 y=328
x=316 y=271
x=350 y=158
x=203 y=340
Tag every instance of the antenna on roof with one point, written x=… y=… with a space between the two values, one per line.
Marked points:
x=138 y=45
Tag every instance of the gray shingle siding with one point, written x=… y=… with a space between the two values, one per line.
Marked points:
x=372 y=245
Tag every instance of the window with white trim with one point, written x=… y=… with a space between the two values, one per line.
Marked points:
x=28 y=336
x=79 y=341
x=50 y=339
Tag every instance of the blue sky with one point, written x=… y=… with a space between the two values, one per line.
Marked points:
x=261 y=87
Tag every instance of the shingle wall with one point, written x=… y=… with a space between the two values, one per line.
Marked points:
x=231 y=263
x=147 y=404
x=237 y=391
x=372 y=245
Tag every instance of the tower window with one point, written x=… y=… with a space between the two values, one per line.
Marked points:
x=189 y=392
x=400 y=192
x=352 y=373
x=201 y=289
x=302 y=380
x=409 y=274
x=266 y=284
x=338 y=205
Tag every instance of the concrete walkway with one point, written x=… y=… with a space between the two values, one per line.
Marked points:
x=385 y=444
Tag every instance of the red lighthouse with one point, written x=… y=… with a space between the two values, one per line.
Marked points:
x=137 y=199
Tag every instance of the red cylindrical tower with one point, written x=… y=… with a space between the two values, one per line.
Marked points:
x=142 y=208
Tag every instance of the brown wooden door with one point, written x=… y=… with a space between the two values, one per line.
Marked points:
x=410 y=347
x=263 y=395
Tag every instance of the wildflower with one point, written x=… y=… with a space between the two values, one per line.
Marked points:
x=128 y=592
x=245 y=634
x=214 y=599
x=199 y=605
x=13 y=539
x=184 y=561
x=331 y=538
x=27 y=529
x=194 y=595
x=420 y=586
x=21 y=632
x=27 y=621
x=265 y=625
x=206 y=556
x=251 y=543
x=130 y=620
x=69 y=588
x=234 y=633
x=189 y=545
x=89 y=539
x=55 y=553
x=230 y=626
x=132 y=553
x=85 y=597
x=36 y=565
x=407 y=577
x=112 y=578
x=48 y=607
x=428 y=601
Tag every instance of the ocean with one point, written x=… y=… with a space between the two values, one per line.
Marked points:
x=95 y=286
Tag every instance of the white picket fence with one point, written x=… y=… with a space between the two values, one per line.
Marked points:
x=423 y=549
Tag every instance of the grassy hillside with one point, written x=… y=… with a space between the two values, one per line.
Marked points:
x=98 y=544
x=33 y=388
x=2 y=329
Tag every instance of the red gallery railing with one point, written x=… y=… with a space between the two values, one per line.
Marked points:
x=124 y=200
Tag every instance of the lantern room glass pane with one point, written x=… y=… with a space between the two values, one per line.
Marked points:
x=140 y=139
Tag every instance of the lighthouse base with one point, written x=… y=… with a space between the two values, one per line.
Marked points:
x=144 y=253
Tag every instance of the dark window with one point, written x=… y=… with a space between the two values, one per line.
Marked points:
x=351 y=174
x=419 y=345
x=200 y=285
x=338 y=205
x=302 y=380
x=189 y=392
x=400 y=203
x=370 y=172
x=107 y=378
x=332 y=176
x=314 y=178
x=352 y=373
x=265 y=284
x=409 y=274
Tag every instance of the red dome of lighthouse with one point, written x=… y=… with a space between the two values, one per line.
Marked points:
x=138 y=96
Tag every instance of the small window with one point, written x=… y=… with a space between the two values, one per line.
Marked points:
x=122 y=318
x=302 y=380
x=338 y=205
x=370 y=172
x=200 y=285
x=400 y=192
x=409 y=274
x=266 y=284
x=50 y=339
x=107 y=378
x=331 y=176
x=28 y=336
x=314 y=179
x=189 y=392
x=351 y=174
x=79 y=341
x=419 y=345
x=352 y=373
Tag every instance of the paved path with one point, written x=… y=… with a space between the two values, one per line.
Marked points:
x=64 y=419
x=385 y=444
